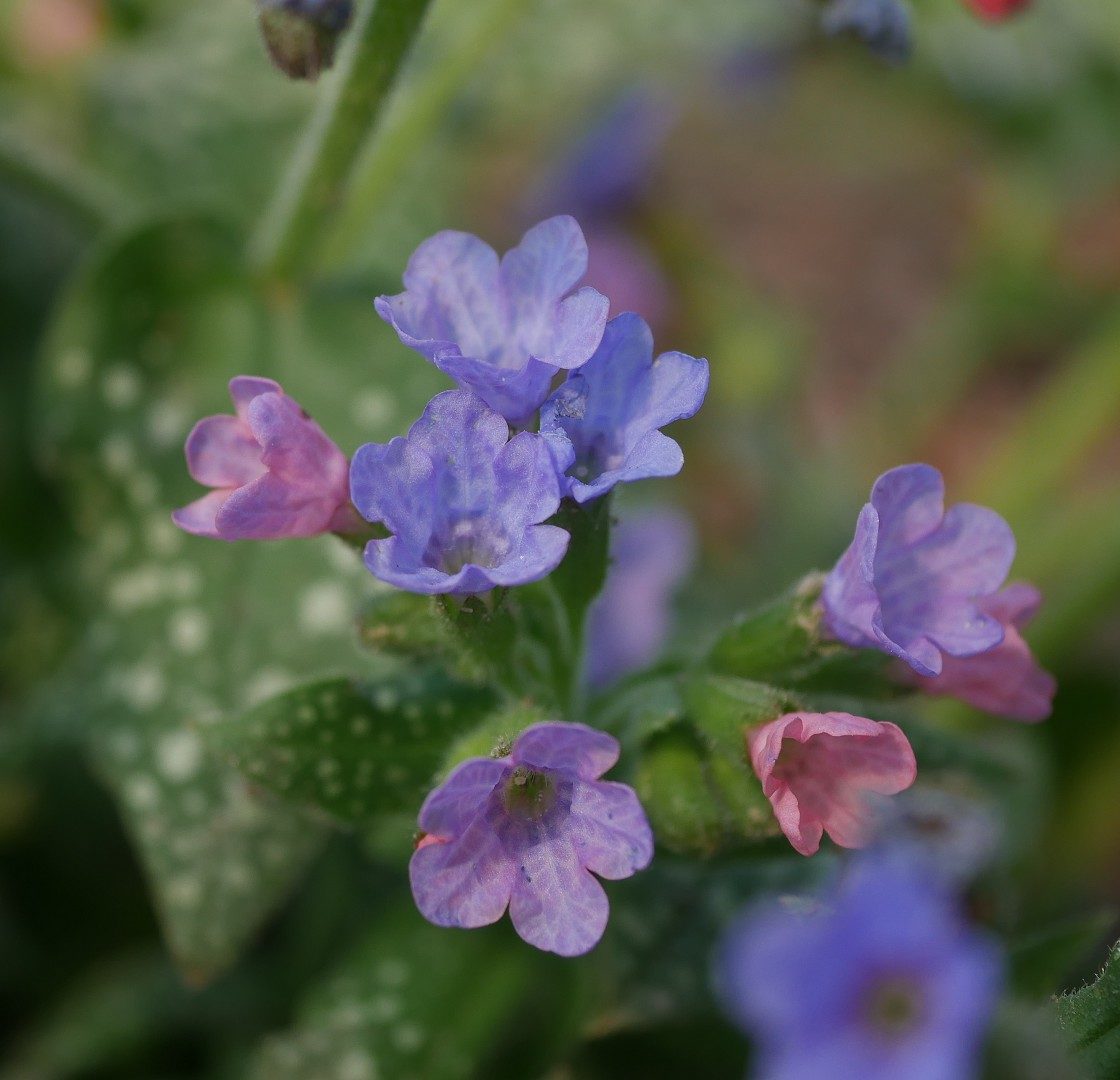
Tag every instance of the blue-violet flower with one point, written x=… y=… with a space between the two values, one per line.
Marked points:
x=886 y=983
x=916 y=577
x=501 y=328
x=464 y=502
x=603 y=421
x=528 y=831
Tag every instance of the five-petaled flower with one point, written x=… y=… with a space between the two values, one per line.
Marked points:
x=603 y=421
x=463 y=501
x=1007 y=680
x=885 y=983
x=274 y=471
x=916 y=577
x=820 y=771
x=501 y=328
x=529 y=831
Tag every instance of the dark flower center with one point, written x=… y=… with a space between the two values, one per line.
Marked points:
x=894 y=1006
x=529 y=795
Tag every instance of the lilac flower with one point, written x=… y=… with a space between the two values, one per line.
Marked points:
x=887 y=983
x=629 y=620
x=501 y=328
x=463 y=501
x=883 y=25
x=274 y=473
x=528 y=831
x=603 y=421
x=608 y=168
x=915 y=579
x=819 y=770
x=1007 y=680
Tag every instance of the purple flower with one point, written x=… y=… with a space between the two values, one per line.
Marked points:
x=883 y=25
x=886 y=983
x=915 y=579
x=528 y=831
x=607 y=169
x=603 y=421
x=501 y=328
x=274 y=472
x=463 y=501
x=629 y=620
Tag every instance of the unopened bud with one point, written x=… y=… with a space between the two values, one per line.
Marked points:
x=302 y=35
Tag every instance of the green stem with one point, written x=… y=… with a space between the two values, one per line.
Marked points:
x=411 y=121
x=352 y=97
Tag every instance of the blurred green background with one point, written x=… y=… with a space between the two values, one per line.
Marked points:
x=881 y=265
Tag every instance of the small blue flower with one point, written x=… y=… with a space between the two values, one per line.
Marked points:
x=886 y=983
x=501 y=328
x=464 y=502
x=603 y=422
x=884 y=26
x=916 y=578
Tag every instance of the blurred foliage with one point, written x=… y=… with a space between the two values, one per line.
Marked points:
x=881 y=266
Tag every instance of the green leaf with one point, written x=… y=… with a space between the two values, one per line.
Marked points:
x=1041 y=962
x=411 y=1000
x=352 y=749
x=494 y=735
x=179 y=630
x=1090 y=1021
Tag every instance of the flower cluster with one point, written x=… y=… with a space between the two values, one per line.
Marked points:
x=925 y=586
x=466 y=504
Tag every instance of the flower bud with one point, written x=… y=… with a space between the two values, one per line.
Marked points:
x=302 y=35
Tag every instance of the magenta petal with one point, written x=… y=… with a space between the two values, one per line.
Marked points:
x=817 y=770
x=244 y=388
x=556 y=904
x=571 y=748
x=609 y=829
x=296 y=450
x=199 y=517
x=449 y=809
x=271 y=509
x=465 y=882
x=221 y=452
x=1006 y=680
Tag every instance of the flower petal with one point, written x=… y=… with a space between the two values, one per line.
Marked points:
x=556 y=904
x=222 y=452
x=451 y=807
x=271 y=509
x=571 y=748
x=243 y=388
x=466 y=882
x=199 y=516
x=609 y=829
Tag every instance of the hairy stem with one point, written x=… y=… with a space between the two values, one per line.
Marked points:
x=352 y=99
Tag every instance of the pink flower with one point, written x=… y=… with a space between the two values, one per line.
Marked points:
x=1007 y=680
x=817 y=770
x=274 y=472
